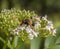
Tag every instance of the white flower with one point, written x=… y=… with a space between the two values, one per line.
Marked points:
x=54 y=32
x=49 y=25
x=28 y=29
x=35 y=33
x=45 y=18
x=31 y=31
x=48 y=28
x=19 y=28
x=37 y=26
x=30 y=36
x=37 y=18
x=16 y=31
x=22 y=27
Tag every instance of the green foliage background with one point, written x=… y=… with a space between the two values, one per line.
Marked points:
x=41 y=7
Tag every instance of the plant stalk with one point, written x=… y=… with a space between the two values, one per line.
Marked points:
x=42 y=43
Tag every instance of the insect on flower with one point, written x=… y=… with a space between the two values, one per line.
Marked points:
x=27 y=22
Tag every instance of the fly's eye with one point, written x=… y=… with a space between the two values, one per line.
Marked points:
x=26 y=21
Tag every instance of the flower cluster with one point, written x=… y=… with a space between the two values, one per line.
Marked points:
x=10 y=23
x=31 y=33
x=50 y=26
x=38 y=29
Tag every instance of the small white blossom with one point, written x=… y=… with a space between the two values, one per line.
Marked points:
x=54 y=32
x=16 y=31
x=31 y=31
x=35 y=33
x=37 y=25
x=30 y=36
x=22 y=27
x=45 y=18
x=37 y=18
x=49 y=25
x=28 y=29
x=19 y=28
x=48 y=28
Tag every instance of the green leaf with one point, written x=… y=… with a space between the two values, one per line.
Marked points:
x=55 y=47
x=9 y=44
x=50 y=41
x=2 y=40
x=23 y=46
x=35 y=43
x=4 y=46
x=17 y=42
x=58 y=41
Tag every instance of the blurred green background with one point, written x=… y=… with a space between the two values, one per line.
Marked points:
x=51 y=8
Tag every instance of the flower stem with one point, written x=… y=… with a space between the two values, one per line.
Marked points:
x=42 y=43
